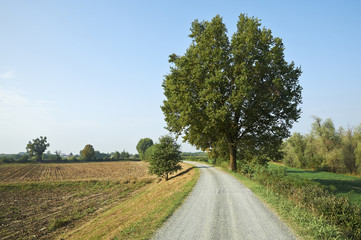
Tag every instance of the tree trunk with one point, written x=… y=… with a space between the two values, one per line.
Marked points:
x=166 y=176
x=232 y=156
x=39 y=158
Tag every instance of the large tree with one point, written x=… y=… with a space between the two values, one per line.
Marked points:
x=37 y=147
x=241 y=94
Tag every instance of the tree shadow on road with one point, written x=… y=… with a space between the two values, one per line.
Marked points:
x=204 y=166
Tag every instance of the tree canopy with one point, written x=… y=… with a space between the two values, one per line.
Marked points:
x=148 y=153
x=124 y=155
x=165 y=157
x=116 y=156
x=88 y=153
x=230 y=96
x=143 y=145
x=37 y=147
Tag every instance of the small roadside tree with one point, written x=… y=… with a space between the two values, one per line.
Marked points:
x=37 y=147
x=143 y=145
x=88 y=152
x=165 y=157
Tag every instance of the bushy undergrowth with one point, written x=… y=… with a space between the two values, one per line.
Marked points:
x=325 y=149
x=315 y=198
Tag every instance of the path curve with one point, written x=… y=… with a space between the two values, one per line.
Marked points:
x=220 y=207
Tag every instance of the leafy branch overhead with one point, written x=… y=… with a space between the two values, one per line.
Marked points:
x=238 y=95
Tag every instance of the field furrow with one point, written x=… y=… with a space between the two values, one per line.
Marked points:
x=14 y=174
x=76 y=171
x=31 y=171
x=39 y=201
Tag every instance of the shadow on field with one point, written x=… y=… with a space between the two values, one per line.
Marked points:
x=181 y=173
x=303 y=171
x=339 y=185
x=342 y=186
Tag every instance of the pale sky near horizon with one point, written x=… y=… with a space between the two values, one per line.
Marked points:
x=90 y=72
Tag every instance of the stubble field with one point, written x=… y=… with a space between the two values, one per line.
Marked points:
x=12 y=173
x=41 y=201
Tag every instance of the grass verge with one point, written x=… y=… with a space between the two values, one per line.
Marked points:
x=139 y=216
x=305 y=224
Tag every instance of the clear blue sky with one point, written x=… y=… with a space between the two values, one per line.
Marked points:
x=84 y=72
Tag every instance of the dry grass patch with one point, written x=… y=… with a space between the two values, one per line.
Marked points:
x=139 y=216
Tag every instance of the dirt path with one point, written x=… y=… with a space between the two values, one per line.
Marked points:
x=220 y=207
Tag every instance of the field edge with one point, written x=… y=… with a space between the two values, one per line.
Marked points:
x=140 y=216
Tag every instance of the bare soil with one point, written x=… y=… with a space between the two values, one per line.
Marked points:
x=42 y=201
x=10 y=173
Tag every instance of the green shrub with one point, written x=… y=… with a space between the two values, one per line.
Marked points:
x=165 y=157
x=147 y=156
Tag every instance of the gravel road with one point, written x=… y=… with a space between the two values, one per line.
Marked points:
x=220 y=207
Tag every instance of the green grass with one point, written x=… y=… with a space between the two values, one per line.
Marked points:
x=340 y=184
x=305 y=224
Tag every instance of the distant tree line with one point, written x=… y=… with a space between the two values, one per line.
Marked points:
x=36 y=153
x=325 y=148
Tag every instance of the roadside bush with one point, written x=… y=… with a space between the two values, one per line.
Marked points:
x=246 y=169
x=315 y=198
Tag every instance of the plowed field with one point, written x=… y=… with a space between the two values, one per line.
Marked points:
x=41 y=201
x=10 y=173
